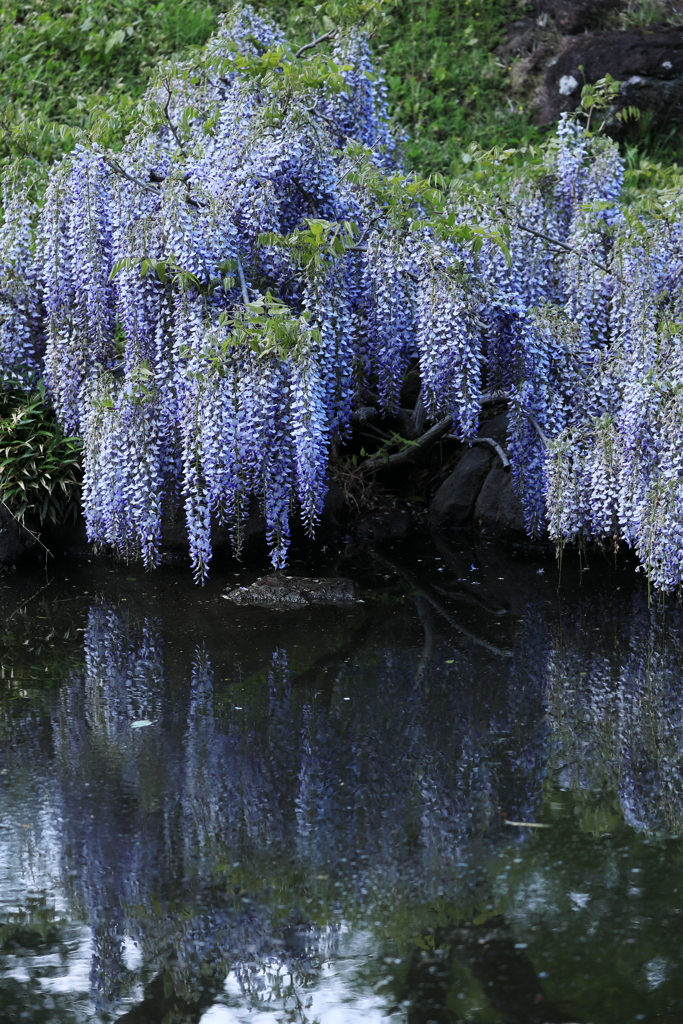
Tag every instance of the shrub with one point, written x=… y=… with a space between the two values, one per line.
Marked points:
x=39 y=464
x=214 y=298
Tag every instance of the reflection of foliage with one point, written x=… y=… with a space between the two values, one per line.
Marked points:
x=257 y=819
x=616 y=706
x=38 y=643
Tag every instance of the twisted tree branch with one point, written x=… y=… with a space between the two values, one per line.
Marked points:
x=433 y=435
x=496 y=447
x=314 y=43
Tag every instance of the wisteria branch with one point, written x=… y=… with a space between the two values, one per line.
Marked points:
x=174 y=132
x=567 y=248
x=243 y=283
x=116 y=167
x=315 y=42
x=419 y=447
x=496 y=447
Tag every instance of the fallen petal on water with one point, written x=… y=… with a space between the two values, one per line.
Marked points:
x=527 y=824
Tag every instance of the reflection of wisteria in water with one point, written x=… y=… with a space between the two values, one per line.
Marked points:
x=236 y=829
x=380 y=788
x=106 y=848
x=615 y=701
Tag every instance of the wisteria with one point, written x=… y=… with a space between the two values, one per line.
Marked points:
x=210 y=303
x=21 y=333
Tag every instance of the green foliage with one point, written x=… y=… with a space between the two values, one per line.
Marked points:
x=641 y=13
x=91 y=58
x=275 y=72
x=599 y=97
x=39 y=465
x=59 y=61
x=268 y=327
x=315 y=245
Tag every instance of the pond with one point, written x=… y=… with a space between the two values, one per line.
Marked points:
x=459 y=799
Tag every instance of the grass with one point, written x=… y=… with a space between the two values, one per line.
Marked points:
x=57 y=58
x=446 y=88
x=445 y=84
x=54 y=53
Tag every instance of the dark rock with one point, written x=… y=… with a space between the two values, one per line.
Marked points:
x=480 y=491
x=648 y=61
x=175 y=542
x=281 y=592
x=332 y=525
x=572 y=16
x=497 y=428
x=498 y=511
x=521 y=37
x=15 y=540
x=331 y=528
x=366 y=414
x=68 y=540
x=454 y=503
x=532 y=39
x=526 y=74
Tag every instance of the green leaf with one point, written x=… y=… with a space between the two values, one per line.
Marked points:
x=115 y=39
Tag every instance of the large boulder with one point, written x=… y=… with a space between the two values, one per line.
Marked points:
x=281 y=592
x=648 y=62
x=479 y=492
x=498 y=511
x=453 y=504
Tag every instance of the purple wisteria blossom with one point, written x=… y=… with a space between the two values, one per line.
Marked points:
x=209 y=303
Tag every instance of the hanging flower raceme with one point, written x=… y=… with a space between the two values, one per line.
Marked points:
x=21 y=331
x=76 y=258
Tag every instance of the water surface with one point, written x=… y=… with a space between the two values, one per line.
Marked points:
x=222 y=814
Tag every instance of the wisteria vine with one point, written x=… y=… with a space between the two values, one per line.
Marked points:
x=209 y=304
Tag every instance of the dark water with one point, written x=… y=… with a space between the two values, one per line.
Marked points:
x=221 y=814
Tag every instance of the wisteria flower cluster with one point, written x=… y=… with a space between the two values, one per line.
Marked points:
x=208 y=303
